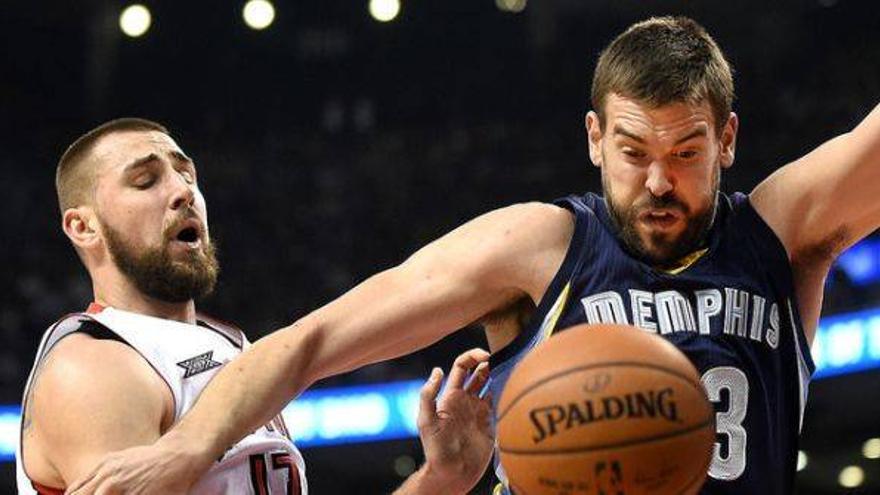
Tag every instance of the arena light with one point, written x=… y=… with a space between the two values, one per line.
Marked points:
x=364 y=413
x=847 y=343
x=802 y=461
x=9 y=420
x=871 y=449
x=861 y=263
x=851 y=477
x=135 y=20
x=258 y=14
x=384 y=10
x=514 y=6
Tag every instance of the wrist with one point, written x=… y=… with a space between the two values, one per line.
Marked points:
x=195 y=451
x=440 y=481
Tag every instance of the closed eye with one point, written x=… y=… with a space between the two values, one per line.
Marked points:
x=188 y=176
x=144 y=182
x=633 y=153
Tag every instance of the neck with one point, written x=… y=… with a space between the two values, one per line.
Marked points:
x=113 y=289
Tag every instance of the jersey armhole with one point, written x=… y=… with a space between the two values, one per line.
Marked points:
x=550 y=301
x=765 y=239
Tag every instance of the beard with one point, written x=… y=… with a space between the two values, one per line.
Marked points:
x=661 y=249
x=156 y=274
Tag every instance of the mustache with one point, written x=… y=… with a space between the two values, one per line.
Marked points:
x=667 y=201
x=178 y=221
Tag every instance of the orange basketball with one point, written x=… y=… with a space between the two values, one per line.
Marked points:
x=605 y=409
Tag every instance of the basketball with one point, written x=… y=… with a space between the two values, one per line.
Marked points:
x=605 y=409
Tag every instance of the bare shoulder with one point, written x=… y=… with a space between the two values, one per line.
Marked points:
x=539 y=215
x=90 y=397
x=534 y=223
x=529 y=242
x=504 y=253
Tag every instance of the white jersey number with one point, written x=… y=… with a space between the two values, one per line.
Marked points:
x=729 y=422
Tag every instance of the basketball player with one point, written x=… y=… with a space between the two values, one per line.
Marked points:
x=735 y=281
x=124 y=371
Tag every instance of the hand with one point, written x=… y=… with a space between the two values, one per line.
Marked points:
x=455 y=431
x=167 y=467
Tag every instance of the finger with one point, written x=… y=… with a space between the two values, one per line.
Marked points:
x=485 y=413
x=87 y=488
x=107 y=490
x=478 y=379
x=84 y=485
x=463 y=364
x=427 y=406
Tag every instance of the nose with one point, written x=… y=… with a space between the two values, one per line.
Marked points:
x=184 y=195
x=659 y=180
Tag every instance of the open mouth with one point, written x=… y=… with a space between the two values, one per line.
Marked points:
x=189 y=233
x=660 y=218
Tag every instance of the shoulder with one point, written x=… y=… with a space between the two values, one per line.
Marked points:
x=499 y=249
x=97 y=377
x=531 y=218
x=527 y=242
x=89 y=397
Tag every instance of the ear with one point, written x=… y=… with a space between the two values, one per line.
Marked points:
x=728 y=141
x=594 y=137
x=80 y=225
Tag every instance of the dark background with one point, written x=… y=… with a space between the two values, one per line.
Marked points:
x=331 y=146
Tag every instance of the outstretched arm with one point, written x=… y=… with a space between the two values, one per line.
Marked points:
x=479 y=267
x=823 y=203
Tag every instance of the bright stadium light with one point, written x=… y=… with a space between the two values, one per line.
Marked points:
x=258 y=14
x=871 y=449
x=514 y=6
x=802 y=460
x=135 y=20
x=851 y=477
x=384 y=10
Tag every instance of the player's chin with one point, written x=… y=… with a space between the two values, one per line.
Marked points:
x=661 y=247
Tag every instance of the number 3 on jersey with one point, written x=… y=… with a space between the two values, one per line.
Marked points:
x=729 y=422
x=279 y=461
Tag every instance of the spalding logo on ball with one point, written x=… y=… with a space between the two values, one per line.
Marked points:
x=605 y=410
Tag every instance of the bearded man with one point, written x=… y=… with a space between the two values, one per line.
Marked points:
x=123 y=372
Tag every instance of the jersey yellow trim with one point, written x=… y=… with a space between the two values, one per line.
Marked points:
x=686 y=262
x=546 y=330
x=555 y=312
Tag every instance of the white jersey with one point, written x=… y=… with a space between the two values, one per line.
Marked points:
x=186 y=357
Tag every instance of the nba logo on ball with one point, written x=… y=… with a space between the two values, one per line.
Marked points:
x=605 y=410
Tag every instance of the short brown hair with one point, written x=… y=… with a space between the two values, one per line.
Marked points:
x=74 y=177
x=665 y=60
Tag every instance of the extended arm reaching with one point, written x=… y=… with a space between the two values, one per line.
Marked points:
x=481 y=266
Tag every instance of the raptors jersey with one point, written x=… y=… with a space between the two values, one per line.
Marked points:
x=186 y=357
x=731 y=310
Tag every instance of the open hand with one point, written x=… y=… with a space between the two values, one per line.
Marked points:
x=455 y=431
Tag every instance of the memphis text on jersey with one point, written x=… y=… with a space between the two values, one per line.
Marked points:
x=741 y=313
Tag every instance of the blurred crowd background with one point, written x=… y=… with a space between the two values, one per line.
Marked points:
x=330 y=146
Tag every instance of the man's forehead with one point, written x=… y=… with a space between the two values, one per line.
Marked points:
x=672 y=118
x=119 y=148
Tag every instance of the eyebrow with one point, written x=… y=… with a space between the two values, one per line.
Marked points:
x=624 y=132
x=140 y=162
x=701 y=131
x=181 y=157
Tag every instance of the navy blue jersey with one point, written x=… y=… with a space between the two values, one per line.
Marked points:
x=733 y=312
